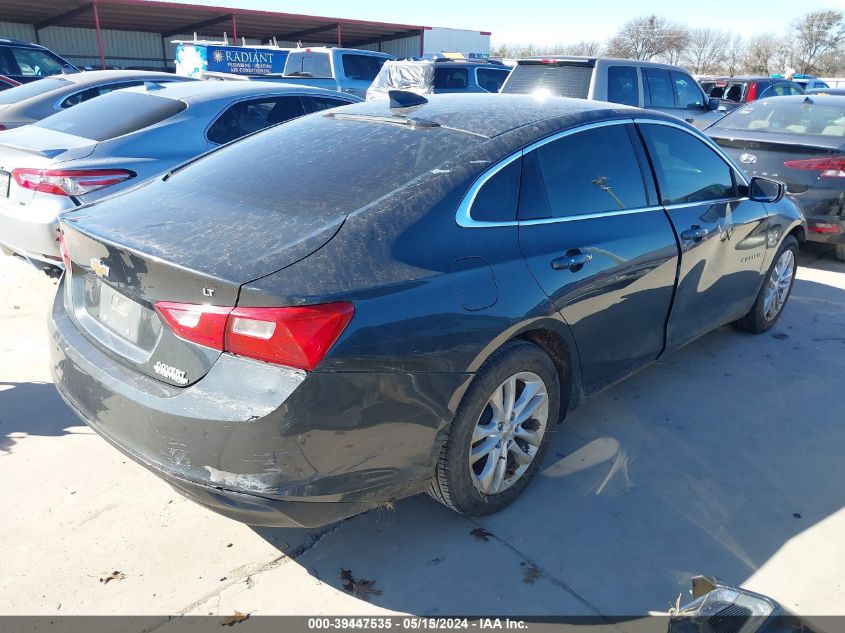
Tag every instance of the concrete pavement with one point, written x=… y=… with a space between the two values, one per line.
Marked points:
x=725 y=459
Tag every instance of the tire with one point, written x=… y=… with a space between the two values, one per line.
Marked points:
x=522 y=369
x=840 y=252
x=763 y=314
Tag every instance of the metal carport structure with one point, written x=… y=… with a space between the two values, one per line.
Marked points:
x=172 y=18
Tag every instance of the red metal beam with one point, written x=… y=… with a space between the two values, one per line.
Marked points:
x=339 y=41
x=99 y=35
x=235 y=29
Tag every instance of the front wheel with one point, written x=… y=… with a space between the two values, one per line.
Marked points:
x=775 y=291
x=500 y=433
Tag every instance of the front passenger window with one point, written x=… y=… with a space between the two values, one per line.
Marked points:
x=687 y=169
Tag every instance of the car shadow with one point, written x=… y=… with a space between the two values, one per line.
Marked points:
x=710 y=461
x=31 y=408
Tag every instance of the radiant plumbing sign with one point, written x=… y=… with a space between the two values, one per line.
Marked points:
x=194 y=59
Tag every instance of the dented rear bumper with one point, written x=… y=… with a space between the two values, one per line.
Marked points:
x=259 y=443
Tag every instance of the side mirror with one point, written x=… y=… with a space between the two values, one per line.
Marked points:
x=713 y=103
x=765 y=190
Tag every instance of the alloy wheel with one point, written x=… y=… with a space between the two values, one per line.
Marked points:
x=778 y=284
x=509 y=432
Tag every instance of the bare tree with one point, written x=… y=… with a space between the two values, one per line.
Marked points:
x=734 y=54
x=705 y=51
x=588 y=48
x=760 y=54
x=816 y=34
x=645 y=38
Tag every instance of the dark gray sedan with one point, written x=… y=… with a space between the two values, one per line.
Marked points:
x=376 y=301
x=34 y=101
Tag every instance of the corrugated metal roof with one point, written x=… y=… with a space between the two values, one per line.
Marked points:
x=171 y=18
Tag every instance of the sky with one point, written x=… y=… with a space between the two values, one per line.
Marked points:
x=547 y=22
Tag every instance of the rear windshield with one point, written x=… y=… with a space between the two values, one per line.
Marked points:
x=309 y=65
x=314 y=164
x=728 y=90
x=112 y=115
x=32 y=89
x=786 y=116
x=560 y=81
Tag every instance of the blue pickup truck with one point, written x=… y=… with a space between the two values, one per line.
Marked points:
x=348 y=70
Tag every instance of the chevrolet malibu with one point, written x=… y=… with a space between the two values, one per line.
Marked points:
x=405 y=296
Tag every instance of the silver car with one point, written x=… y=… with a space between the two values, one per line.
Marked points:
x=115 y=141
x=37 y=100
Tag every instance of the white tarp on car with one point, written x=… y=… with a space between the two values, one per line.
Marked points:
x=412 y=76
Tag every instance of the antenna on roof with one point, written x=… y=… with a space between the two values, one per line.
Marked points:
x=243 y=41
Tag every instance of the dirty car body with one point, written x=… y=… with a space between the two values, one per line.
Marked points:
x=428 y=261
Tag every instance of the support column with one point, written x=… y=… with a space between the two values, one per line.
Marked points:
x=235 y=29
x=339 y=39
x=99 y=35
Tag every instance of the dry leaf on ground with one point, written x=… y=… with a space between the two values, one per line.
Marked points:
x=232 y=620
x=115 y=575
x=531 y=575
x=481 y=534
x=359 y=588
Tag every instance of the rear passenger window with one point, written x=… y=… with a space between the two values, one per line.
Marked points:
x=623 y=85
x=450 y=78
x=496 y=200
x=317 y=104
x=588 y=172
x=491 y=79
x=361 y=67
x=659 y=87
x=250 y=116
x=687 y=169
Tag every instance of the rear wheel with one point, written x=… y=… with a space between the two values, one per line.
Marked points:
x=840 y=252
x=500 y=433
x=775 y=291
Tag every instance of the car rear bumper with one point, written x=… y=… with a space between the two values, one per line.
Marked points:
x=31 y=233
x=824 y=209
x=258 y=443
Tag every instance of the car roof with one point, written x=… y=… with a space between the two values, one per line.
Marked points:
x=93 y=77
x=20 y=43
x=328 y=49
x=208 y=90
x=827 y=99
x=746 y=78
x=591 y=60
x=489 y=114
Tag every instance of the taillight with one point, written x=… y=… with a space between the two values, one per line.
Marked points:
x=2 y=127
x=297 y=336
x=63 y=250
x=752 y=91
x=205 y=325
x=823 y=227
x=69 y=182
x=829 y=167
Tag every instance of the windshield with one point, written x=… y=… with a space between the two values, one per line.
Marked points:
x=96 y=119
x=30 y=62
x=307 y=64
x=787 y=116
x=32 y=89
x=561 y=80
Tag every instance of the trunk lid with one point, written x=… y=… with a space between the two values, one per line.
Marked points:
x=763 y=155
x=34 y=148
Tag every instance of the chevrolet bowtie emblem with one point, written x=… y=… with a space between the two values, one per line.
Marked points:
x=99 y=268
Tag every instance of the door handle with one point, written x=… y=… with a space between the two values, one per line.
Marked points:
x=572 y=262
x=695 y=233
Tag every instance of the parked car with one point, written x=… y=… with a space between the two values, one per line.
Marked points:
x=649 y=85
x=25 y=62
x=799 y=140
x=7 y=82
x=385 y=304
x=115 y=141
x=826 y=91
x=809 y=82
x=734 y=91
x=348 y=70
x=438 y=76
x=34 y=101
